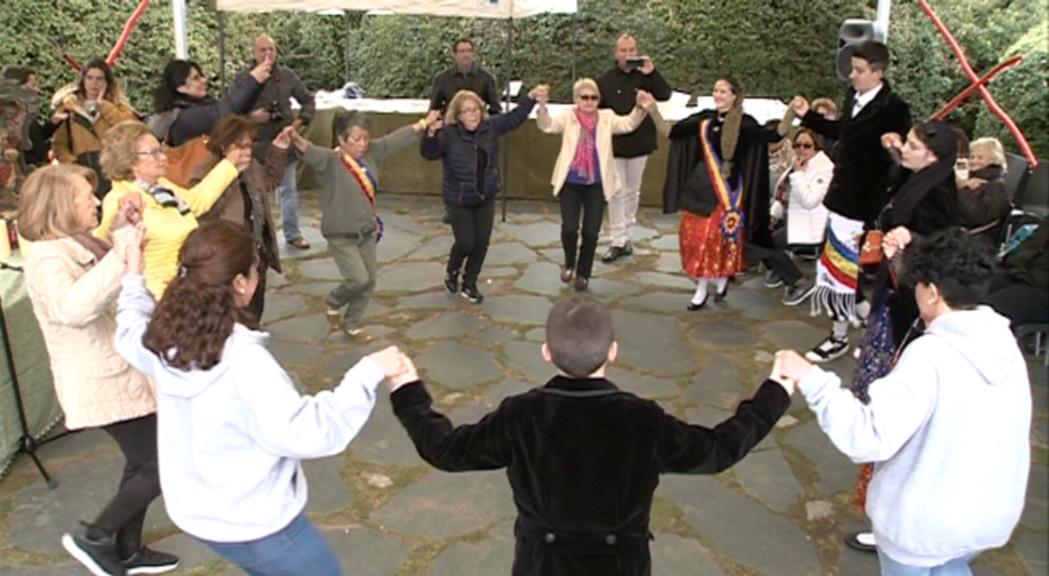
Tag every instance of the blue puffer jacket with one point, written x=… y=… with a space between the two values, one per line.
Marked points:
x=458 y=149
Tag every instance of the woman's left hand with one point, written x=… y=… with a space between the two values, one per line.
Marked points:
x=541 y=94
x=645 y=99
x=239 y=157
x=895 y=241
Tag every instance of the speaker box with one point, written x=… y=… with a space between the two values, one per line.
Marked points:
x=852 y=32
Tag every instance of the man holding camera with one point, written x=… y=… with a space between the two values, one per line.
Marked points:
x=272 y=112
x=619 y=88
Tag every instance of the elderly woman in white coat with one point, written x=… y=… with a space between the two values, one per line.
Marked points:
x=799 y=197
x=73 y=279
x=585 y=174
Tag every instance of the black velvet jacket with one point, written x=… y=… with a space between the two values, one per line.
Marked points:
x=583 y=459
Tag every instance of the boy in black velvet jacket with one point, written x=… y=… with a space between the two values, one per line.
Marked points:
x=583 y=457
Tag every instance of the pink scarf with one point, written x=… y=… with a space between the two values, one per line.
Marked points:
x=583 y=162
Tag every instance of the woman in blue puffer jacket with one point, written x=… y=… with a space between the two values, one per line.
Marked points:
x=467 y=146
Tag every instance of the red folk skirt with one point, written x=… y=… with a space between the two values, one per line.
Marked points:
x=705 y=252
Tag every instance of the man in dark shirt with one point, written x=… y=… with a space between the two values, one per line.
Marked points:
x=464 y=75
x=272 y=112
x=619 y=88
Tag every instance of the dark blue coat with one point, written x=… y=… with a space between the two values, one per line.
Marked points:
x=457 y=148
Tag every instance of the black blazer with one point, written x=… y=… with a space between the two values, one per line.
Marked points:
x=862 y=167
x=583 y=459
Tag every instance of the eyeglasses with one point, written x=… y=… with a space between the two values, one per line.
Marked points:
x=805 y=145
x=156 y=153
x=591 y=97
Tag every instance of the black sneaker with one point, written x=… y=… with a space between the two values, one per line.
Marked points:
x=616 y=252
x=772 y=280
x=451 y=282
x=471 y=293
x=799 y=292
x=98 y=556
x=828 y=350
x=148 y=561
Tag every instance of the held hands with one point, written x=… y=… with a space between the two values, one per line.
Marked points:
x=895 y=241
x=431 y=123
x=396 y=366
x=645 y=99
x=129 y=211
x=541 y=94
x=800 y=106
x=262 y=71
x=284 y=138
x=59 y=117
x=789 y=368
x=296 y=139
x=127 y=243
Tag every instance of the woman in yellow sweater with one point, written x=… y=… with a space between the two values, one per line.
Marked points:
x=135 y=161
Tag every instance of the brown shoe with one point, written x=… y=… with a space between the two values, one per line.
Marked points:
x=567 y=274
x=581 y=283
x=299 y=243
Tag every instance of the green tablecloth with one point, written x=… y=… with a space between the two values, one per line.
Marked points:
x=532 y=157
x=34 y=371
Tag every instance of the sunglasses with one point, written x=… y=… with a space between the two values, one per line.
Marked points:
x=591 y=97
x=805 y=145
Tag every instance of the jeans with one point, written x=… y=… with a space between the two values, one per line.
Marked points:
x=139 y=484
x=472 y=227
x=590 y=200
x=298 y=548
x=956 y=567
x=358 y=266
x=288 y=197
x=622 y=208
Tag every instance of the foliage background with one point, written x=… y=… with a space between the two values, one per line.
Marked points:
x=777 y=47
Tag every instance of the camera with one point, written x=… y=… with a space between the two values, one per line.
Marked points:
x=636 y=62
x=274 y=110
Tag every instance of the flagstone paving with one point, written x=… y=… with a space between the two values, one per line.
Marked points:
x=782 y=511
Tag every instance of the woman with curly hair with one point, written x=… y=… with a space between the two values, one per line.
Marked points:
x=232 y=428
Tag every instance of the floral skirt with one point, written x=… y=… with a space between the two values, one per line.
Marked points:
x=705 y=252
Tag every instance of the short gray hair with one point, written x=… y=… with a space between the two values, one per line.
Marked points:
x=994 y=149
x=346 y=121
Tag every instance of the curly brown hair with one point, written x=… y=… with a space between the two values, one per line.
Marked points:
x=196 y=315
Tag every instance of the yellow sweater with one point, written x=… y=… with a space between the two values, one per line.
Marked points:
x=166 y=229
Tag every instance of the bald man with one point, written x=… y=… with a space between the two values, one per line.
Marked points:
x=272 y=112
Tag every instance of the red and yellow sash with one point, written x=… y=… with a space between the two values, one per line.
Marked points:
x=367 y=183
x=728 y=196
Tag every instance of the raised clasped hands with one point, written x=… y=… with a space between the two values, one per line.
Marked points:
x=541 y=94
x=434 y=122
x=800 y=106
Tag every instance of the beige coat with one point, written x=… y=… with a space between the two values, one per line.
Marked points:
x=74 y=299
x=608 y=124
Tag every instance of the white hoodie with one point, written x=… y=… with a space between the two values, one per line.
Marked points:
x=949 y=432
x=229 y=439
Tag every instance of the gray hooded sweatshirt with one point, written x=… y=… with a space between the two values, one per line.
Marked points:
x=948 y=430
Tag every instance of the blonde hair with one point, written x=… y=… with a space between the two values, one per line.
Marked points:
x=994 y=149
x=584 y=83
x=47 y=203
x=825 y=103
x=120 y=151
x=451 y=117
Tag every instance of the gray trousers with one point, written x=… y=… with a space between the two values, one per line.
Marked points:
x=358 y=267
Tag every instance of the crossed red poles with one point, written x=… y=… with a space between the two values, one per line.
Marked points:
x=978 y=85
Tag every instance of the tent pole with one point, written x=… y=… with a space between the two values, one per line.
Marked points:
x=575 y=34
x=509 y=79
x=346 y=18
x=222 y=51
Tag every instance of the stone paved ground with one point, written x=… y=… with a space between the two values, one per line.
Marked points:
x=780 y=512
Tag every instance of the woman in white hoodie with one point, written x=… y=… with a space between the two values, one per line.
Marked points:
x=585 y=175
x=947 y=429
x=232 y=428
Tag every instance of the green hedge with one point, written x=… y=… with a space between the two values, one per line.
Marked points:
x=777 y=47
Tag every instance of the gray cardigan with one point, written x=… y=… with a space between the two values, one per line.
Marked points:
x=346 y=211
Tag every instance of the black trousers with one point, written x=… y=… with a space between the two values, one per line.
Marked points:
x=139 y=485
x=589 y=200
x=777 y=259
x=472 y=227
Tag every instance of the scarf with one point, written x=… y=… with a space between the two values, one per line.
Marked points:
x=93 y=244
x=943 y=143
x=585 y=151
x=367 y=182
x=730 y=136
x=164 y=196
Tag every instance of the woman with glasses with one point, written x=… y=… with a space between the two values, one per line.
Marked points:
x=799 y=197
x=466 y=145
x=585 y=176
x=135 y=161
x=718 y=173
x=91 y=105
